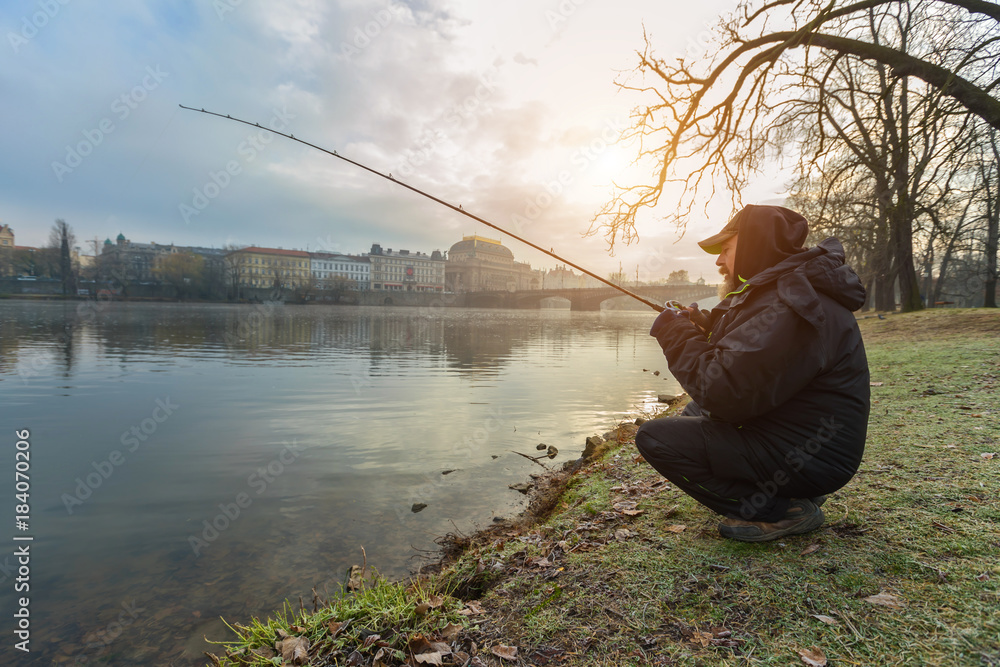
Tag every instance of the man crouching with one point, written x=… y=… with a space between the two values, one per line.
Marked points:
x=777 y=376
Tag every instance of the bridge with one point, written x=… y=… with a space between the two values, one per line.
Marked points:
x=587 y=298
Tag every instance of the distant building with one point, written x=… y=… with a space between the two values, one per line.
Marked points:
x=327 y=267
x=270 y=267
x=141 y=261
x=405 y=271
x=564 y=278
x=6 y=251
x=480 y=264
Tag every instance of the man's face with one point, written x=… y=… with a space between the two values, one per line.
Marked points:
x=726 y=261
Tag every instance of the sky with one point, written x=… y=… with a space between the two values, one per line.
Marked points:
x=509 y=109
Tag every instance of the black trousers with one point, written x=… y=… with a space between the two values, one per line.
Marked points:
x=734 y=473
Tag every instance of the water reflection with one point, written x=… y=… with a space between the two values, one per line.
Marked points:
x=377 y=401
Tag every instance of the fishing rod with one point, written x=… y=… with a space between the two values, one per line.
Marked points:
x=458 y=209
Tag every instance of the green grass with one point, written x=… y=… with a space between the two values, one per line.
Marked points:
x=919 y=521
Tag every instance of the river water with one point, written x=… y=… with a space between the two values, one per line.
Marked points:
x=192 y=462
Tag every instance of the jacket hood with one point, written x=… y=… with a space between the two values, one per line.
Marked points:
x=768 y=235
x=820 y=269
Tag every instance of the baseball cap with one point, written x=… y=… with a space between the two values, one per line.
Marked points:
x=713 y=244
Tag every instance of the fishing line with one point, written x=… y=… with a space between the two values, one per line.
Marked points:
x=458 y=209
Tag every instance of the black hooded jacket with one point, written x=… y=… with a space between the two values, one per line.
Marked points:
x=784 y=359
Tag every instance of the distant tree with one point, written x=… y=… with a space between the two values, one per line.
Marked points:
x=680 y=276
x=6 y=261
x=231 y=267
x=619 y=277
x=214 y=284
x=61 y=240
x=333 y=287
x=184 y=271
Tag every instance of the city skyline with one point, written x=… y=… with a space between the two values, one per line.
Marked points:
x=509 y=110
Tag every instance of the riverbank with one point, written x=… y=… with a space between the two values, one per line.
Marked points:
x=613 y=566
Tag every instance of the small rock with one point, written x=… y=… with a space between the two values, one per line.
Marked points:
x=417 y=507
x=656 y=372
x=521 y=487
x=540 y=446
x=494 y=456
x=552 y=451
x=669 y=399
x=594 y=443
x=639 y=421
x=448 y=472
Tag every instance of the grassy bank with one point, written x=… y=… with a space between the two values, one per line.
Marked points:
x=626 y=570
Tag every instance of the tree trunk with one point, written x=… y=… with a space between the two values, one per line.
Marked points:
x=992 y=233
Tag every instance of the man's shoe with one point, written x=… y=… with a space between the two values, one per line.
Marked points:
x=819 y=500
x=802 y=516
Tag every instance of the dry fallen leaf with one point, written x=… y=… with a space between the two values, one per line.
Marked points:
x=886 y=600
x=429 y=658
x=988 y=455
x=471 y=609
x=876 y=384
x=335 y=627
x=676 y=528
x=622 y=534
x=450 y=631
x=354 y=578
x=813 y=656
x=809 y=549
x=419 y=644
x=505 y=652
x=294 y=650
x=826 y=619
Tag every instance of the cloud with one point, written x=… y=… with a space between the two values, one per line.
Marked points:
x=435 y=91
x=522 y=59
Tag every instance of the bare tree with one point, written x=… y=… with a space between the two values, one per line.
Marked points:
x=184 y=271
x=61 y=239
x=233 y=266
x=715 y=123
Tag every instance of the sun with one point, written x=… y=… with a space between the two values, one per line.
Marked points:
x=610 y=165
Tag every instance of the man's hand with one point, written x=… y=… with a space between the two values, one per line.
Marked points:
x=664 y=319
x=698 y=318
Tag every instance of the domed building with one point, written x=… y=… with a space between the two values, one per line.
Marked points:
x=480 y=264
